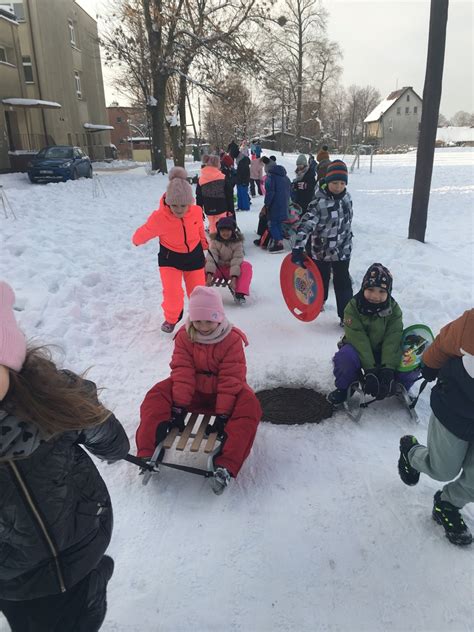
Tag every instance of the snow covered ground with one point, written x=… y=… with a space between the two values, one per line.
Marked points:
x=318 y=533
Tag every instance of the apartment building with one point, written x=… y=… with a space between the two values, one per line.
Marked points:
x=51 y=85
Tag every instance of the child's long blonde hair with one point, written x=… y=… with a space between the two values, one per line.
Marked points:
x=51 y=399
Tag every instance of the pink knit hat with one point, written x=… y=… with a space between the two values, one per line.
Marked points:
x=12 y=341
x=179 y=190
x=205 y=303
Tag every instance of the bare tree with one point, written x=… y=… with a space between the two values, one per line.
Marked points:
x=442 y=120
x=303 y=22
x=462 y=119
x=429 y=119
x=360 y=101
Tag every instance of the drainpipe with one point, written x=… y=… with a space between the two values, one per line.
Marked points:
x=36 y=68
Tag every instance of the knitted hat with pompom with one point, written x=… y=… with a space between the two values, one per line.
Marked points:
x=179 y=190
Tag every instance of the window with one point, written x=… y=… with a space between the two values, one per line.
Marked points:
x=72 y=32
x=119 y=119
x=3 y=54
x=408 y=97
x=407 y=110
x=28 y=69
x=399 y=110
x=415 y=109
x=77 y=80
x=69 y=138
x=16 y=8
x=78 y=142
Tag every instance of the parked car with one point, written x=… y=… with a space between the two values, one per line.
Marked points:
x=59 y=163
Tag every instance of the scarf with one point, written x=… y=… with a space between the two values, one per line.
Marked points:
x=372 y=309
x=300 y=174
x=223 y=329
x=18 y=439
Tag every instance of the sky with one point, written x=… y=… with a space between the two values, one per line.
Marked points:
x=384 y=44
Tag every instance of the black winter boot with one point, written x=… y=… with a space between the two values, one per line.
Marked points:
x=408 y=474
x=337 y=397
x=449 y=517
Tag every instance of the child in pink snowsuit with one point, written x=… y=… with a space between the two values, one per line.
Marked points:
x=226 y=259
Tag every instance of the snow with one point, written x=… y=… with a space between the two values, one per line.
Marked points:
x=31 y=103
x=317 y=533
x=455 y=134
x=98 y=127
x=380 y=109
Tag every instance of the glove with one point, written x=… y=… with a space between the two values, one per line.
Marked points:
x=209 y=279
x=162 y=431
x=428 y=373
x=178 y=415
x=371 y=383
x=298 y=256
x=218 y=425
x=387 y=383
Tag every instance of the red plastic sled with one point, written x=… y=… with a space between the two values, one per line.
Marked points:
x=302 y=288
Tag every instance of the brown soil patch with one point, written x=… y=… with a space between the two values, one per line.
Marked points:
x=293 y=406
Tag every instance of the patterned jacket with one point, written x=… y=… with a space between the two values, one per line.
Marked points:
x=329 y=220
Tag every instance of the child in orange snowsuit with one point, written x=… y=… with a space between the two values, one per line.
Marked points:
x=208 y=371
x=178 y=225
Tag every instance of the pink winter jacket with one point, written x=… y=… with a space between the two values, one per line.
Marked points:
x=216 y=368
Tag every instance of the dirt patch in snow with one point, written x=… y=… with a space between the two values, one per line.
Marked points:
x=293 y=406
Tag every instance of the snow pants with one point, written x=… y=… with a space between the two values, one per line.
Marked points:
x=347 y=368
x=274 y=226
x=443 y=459
x=341 y=280
x=243 y=281
x=173 y=295
x=258 y=184
x=81 y=608
x=240 y=430
x=243 y=199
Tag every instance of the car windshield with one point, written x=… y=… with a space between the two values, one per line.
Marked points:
x=56 y=153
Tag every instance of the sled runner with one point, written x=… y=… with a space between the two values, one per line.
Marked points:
x=302 y=288
x=357 y=400
x=204 y=440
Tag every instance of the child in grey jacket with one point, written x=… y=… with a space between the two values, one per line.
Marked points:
x=225 y=259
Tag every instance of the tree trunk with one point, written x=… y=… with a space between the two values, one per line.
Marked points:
x=182 y=133
x=299 y=87
x=429 y=119
x=157 y=114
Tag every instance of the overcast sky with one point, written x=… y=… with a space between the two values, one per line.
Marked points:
x=384 y=43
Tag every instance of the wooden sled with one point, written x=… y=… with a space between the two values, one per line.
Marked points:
x=221 y=282
x=198 y=441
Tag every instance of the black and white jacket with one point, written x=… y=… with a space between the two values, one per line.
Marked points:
x=329 y=222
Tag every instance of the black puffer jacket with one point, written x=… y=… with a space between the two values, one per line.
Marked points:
x=452 y=399
x=55 y=510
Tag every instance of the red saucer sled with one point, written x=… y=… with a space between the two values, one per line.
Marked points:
x=302 y=288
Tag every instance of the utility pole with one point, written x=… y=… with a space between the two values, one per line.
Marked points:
x=429 y=119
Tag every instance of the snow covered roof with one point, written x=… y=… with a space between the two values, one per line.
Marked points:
x=30 y=103
x=8 y=17
x=455 y=134
x=384 y=105
x=277 y=131
x=97 y=128
x=139 y=139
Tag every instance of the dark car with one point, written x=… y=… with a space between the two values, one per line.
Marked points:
x=59 y=163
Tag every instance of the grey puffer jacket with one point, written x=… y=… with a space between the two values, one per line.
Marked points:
x=329 y=222
x=55 y=510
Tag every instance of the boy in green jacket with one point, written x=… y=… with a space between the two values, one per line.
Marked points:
x=373 y=329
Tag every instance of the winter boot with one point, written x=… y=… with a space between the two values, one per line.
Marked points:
x=239 y=298
x=337 y=397
x=220 y=480
x=408 y=474
x=257 y=241
x=276 y=248
x=449 y=517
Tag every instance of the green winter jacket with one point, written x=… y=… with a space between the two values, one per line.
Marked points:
x=376 y=335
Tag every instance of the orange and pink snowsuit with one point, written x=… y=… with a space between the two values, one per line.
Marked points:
x=182 y=242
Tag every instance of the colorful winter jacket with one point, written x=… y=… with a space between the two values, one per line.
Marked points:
x=55 y=510
x=377 y=339
x=277 y=192
x=329 y=221
x=452 y=397
x=228 y=254
x=182 y=241
x=216 y=368
x=214 y=192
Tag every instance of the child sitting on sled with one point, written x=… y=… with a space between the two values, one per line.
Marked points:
x=373 y=329
x=225 y=259
x=208 y=371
